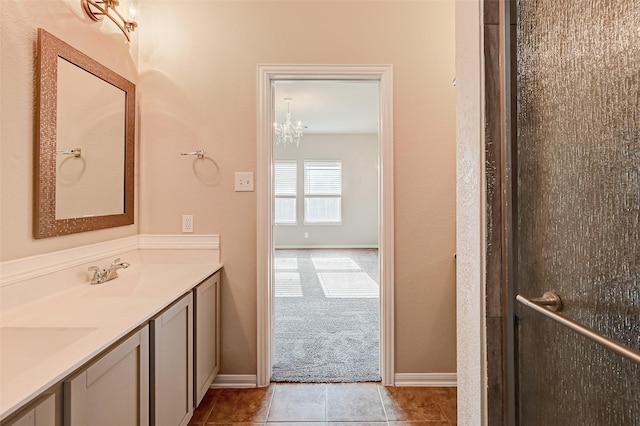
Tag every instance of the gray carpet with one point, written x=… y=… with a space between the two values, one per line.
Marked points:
x=326 y=316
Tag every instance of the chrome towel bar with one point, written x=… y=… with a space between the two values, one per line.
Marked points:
x=552 y=299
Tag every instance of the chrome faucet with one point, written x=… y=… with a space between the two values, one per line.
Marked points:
x=103 y=275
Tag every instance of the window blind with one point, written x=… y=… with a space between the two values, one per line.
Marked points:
x=323 y=191
x=285 y=183
x=285 y=177
x=323 y=177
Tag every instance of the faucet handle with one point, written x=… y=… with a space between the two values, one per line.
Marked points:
x=115 y=262
x=97 y=275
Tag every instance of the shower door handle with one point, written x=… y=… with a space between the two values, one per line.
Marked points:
x=550 y=300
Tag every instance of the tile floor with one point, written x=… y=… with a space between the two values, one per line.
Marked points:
x=354 y=404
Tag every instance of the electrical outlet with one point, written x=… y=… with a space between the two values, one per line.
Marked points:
x=187 y=223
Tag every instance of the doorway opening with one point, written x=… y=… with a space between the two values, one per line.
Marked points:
x=272 y=264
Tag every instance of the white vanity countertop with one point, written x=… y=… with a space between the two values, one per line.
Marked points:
x=43 y=342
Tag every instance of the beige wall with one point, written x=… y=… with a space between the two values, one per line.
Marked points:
x=103 y=42
x=198 y=90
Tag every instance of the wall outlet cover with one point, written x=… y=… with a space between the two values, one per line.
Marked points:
x=187 y=223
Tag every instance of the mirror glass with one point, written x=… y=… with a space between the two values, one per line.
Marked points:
x=85 y=145
x=90 y=117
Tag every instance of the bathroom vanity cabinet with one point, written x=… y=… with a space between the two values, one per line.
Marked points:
x=207 y=335
x=114 y=390
x=172 y=364
x=42 y=412
x=154 y=375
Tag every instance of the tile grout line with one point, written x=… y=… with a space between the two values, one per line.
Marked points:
x=384 y=410
x=444 y=413
x=207 y=414
x=273 y=394
x=326 y=404
x=215 y=401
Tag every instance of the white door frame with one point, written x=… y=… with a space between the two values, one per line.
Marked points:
x=266 y=75
x=470 y=215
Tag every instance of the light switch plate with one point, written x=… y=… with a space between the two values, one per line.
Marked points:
x=244 y=181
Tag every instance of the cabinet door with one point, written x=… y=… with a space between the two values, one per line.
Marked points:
x=114 y=390
x=207 y=334
x=172 y=364
x=41 y=413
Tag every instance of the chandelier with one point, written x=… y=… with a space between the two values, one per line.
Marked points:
x=286 y=133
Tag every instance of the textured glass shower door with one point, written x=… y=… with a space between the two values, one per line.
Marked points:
x=577 y=227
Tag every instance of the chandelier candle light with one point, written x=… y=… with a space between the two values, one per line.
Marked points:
x=286 y=133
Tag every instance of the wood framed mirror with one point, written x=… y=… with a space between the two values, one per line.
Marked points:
x=84 y=145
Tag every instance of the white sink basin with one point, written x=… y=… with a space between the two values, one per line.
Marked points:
x=26 y=347
x=112 y=289
x=128 y=285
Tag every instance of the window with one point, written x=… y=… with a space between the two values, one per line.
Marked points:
x=285 y=182
x=322 y=191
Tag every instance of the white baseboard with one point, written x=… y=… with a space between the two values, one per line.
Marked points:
x=234 y=381
x=426 y=379
x=326 y=246
x=401 y=379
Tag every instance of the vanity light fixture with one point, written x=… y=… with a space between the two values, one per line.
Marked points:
x=286 y=133
x=96 y=9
